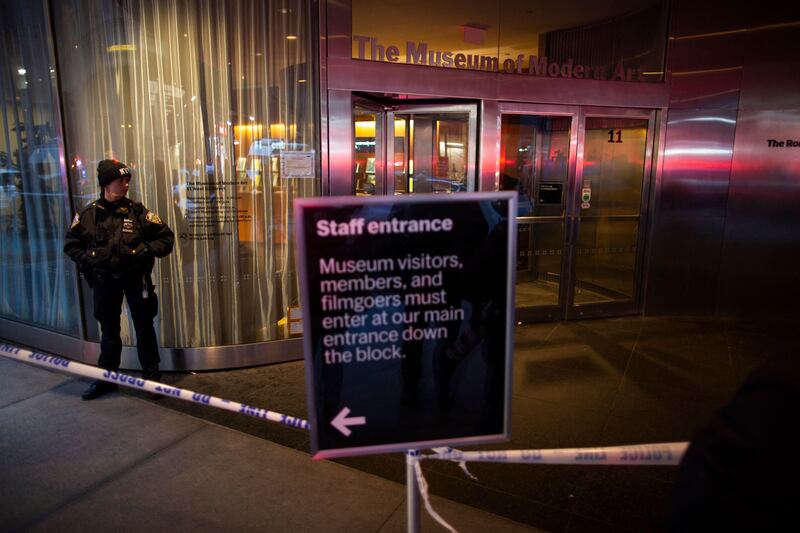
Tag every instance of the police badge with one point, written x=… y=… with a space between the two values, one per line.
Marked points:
x=152 y=217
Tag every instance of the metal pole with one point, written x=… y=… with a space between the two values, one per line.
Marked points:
x=412 y=493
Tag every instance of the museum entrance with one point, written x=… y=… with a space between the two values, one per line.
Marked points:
x=583 y=179
x=582 y=174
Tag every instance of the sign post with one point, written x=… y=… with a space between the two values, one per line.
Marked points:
x=412 y=493
x=407 y=320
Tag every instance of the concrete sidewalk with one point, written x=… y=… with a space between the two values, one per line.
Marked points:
x=121 y=463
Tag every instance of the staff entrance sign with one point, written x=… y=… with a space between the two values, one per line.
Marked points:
x=407 y=316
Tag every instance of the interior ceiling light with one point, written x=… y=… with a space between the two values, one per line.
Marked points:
x=291 y=37
x=21 y=71
x=121 y=48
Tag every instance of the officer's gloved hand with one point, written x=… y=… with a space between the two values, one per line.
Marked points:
x=85 y=268
x=142 y=251
x=84 y=262
x=136 y=257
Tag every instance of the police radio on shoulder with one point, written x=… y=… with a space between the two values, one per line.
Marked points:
x=356 y=226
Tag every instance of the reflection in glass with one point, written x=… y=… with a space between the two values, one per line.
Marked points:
x=605 y=260
x=431 y=152
x=213 y=105
x=37 y=281
x=534 y=153
x=534 y=156
x=613 y=172
x=617 y=40
x=539 y=257
x=366 y=124
x=613 y=163
x=401 y=163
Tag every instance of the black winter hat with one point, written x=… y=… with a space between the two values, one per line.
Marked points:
x=110 y=169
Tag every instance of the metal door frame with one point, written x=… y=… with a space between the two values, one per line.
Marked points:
x=559 y=310
x=622 y=307
x=380 y=142
x=566 y=308
x=472 y=132
x=384 y=136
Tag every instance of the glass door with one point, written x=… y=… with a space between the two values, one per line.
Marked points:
x=581 y=178
x=402 y=149
x=608 y=208
x=537 y=159
x=368 y=149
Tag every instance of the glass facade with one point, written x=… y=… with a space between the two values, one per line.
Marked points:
x=213 y=105
x=619 y=40
x=37 y=281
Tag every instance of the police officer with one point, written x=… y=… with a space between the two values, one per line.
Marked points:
x=115 y=241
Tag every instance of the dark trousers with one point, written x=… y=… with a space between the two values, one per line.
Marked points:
x=108 y=310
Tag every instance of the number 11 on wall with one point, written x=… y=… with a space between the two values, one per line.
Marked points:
x=611 y=136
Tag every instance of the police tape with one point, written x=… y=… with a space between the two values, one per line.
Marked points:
x=80 y=369
x=666 y=453
x=669 y=453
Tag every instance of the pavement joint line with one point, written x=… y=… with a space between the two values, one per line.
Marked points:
x=625 y=372
x=389 y=518
x=51 y=389
x=114 y=476
x=552 y=330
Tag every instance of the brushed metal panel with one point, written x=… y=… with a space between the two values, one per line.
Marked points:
x=323 y=97
x=711 y=52
x=777 y=13
x=690 y=17
x=489 y=149
x=172 y=359
x=771 y=78
x=684 y=265
x=718 y=89
x=759 y=275
x=707 y=71
x=705 y=56
x=340 y=143
x=764 y=179
x=761 y=252
x=697 y=160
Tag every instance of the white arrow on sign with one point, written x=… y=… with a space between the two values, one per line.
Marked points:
x=342 y=421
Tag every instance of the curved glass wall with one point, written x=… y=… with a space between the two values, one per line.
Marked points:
x=212 y=103
x=37 y=281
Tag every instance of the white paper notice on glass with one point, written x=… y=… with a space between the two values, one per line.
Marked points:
x=297 y=164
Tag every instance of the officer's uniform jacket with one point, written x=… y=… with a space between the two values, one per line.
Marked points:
x=119 y=240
